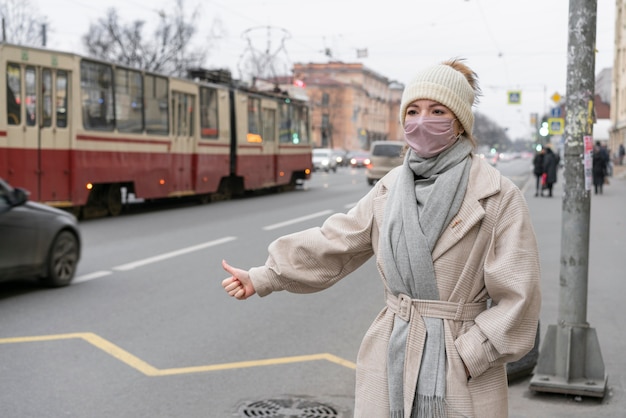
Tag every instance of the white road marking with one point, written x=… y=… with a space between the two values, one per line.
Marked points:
x=91 y=276
x=296 y=220
x=165 y=256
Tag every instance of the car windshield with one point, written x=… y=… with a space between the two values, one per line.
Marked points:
x=387 y=150
x=321 y=153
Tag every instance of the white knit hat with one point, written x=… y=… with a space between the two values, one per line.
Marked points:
x=444 y=85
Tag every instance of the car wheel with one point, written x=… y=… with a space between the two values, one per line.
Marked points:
x=62 y=260
x=370 y=182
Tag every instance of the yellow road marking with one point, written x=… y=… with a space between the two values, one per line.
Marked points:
x=149 y=370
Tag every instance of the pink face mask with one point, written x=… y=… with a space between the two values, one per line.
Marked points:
x=429 y=136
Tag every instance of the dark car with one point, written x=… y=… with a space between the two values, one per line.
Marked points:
x=36 y=240
x=359 y=159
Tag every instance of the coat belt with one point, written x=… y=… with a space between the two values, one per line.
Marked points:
x=402 y=305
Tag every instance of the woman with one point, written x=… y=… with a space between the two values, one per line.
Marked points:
x=451 y=237
x=550 y=168
x=538 y=171
x=599 y=167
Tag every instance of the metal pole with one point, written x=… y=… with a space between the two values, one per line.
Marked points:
x=570 y=360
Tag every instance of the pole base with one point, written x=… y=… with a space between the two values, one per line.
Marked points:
x=570 y=362
x=557 y=384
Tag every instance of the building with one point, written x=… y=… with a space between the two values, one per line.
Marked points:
x=617 y=132
x=602 y=106
x=351 y=105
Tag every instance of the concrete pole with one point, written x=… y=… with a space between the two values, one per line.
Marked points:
x=570 y=360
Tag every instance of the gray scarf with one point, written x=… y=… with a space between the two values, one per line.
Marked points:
x=426 y=196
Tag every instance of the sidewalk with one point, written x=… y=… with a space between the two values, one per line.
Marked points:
x=606 y=305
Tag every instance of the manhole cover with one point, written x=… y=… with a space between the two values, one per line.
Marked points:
x=288 y=408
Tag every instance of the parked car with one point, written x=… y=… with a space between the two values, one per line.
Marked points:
x=359 y=158
x=384 y=155
x=324 y=159
x=36 y=240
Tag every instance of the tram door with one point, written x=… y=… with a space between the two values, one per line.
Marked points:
x=54 y=136
x=270 y=148
x=184 y=115
x=256 y=141
x=38 y=128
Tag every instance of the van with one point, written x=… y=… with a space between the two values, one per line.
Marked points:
x=384 y=155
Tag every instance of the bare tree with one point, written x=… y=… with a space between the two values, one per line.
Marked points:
x=167 y=51
x=488 y=132
x=20 y=23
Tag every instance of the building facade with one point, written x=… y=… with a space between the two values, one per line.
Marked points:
x=351 y=106
x=617 y=133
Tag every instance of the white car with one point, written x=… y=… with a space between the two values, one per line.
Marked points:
x=324 y=159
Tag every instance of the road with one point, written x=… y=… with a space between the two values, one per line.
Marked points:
x=146 y=330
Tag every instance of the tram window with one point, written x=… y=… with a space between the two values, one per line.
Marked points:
x=30 y=79
x=14 y=94
x=156 y=105
x=254 y=120
x=128 y=100
x=61 y=99
x=269 y=125
x=96 y=82
x=183 y=117
x=209 y=126
x=46 y=81
x=301 y=133
x=284 y=134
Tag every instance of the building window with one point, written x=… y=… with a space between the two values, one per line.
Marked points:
x=325 y=99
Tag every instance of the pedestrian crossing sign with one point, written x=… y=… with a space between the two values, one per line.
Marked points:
x=556 y=126
x=515 y=97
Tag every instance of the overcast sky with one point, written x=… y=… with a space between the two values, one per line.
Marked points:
x=511 y=44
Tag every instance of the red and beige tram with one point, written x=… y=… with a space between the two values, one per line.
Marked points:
x=75 y=131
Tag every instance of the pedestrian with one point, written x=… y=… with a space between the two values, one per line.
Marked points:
x=538 y=171
x=550 y=168
x=599 y=167
x=621 y=154
x=457 y=254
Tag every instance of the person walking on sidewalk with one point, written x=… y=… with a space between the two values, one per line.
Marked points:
x=550 y=168
x=450 y=233
x=621 y=153
x=599 y=167
x=538 y=171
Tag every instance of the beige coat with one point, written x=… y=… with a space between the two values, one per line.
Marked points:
x=488 y=251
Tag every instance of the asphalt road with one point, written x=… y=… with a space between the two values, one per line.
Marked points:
x=146 y=330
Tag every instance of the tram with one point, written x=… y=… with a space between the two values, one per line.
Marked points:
x=76 y=132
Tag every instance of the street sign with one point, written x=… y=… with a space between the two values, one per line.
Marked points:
x=556 y=97
x=515 y=97
x=555 y=112
x=556 y=126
